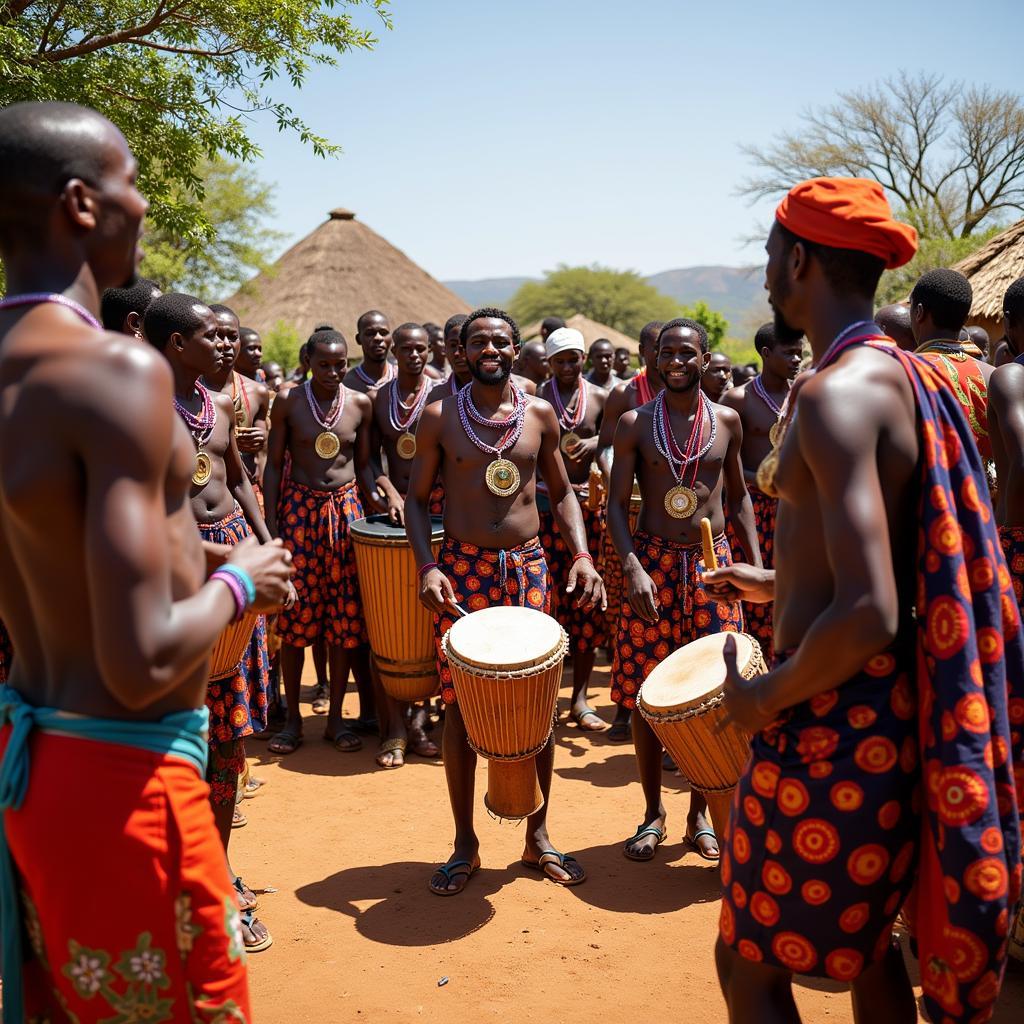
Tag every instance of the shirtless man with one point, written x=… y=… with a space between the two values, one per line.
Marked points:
x=718 y=380
x=274 y=375
x=122 y=309
x=759 y=404
x=437 y=367
x=637 y=391
x=623 y=364
x=102 y=583
x=484 y=531
x=373 y=336
x=325 y=429
x=882 y=515
x=600 y=357
x=667 y=603
x=226 y=510
x=894 y=320
x=397 y=408
x=578 y=405
x=533 y=363
x=250 y=355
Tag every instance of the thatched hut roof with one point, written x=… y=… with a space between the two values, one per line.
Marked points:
x=992 y=269
x=591 y=331
x=334 y=275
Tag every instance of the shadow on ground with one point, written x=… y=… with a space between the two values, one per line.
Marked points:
x=405 y=912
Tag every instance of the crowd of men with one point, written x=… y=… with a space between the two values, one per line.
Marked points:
x=158 y=482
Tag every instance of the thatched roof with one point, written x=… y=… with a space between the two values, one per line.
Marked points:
x=336 y=274
x=591 y=331
x=992 y=269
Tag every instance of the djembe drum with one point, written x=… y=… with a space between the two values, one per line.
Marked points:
x=230 y=647
x=684 y=702
x=401 y=630
x=506 y=665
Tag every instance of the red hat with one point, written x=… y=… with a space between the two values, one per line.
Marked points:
x=847 y=213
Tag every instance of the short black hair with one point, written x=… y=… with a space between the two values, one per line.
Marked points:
x=691 y=325
x=219 y=307
x=242 y=331
x=1013 y=302
x=489 y=312
x=117 y=303
x=173 y=313
x=430 y=326
x=650 y=331
x=409 y=326
x=601 y=341
x=323 y=327
x=552 y=323
x=454 y=321
x=765 y=337
x=368 y=313
x=325 y=336
x=946 y=296
x=622 y=348
x=847 y=270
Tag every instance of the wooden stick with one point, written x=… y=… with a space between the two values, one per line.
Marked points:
x=706 y=536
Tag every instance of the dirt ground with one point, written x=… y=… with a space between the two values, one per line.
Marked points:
x=350 y=849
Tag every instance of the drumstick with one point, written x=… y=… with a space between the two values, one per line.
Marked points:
x=710 y=558
x=458 y=607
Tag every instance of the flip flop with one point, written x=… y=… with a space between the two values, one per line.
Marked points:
x=335 y=741
x=389 y=747
x=578 y=716
x=321 y=702
x=239 y=820
x=692 y=840
x=284 y=742
x=454 y=869
x=642 y=831
x=620 y=732
x=240 y=889
x=257 y=947
x=561 y=859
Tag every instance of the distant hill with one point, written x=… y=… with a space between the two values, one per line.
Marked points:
x=736 y=292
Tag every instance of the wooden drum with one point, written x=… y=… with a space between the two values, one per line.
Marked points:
x=230 y=647
x=684 y=703
x=506 y=664
x=401 y=630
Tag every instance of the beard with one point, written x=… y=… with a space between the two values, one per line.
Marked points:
x=501 y=375
x=784 y=331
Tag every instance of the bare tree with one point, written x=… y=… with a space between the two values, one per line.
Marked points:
x=953 y=155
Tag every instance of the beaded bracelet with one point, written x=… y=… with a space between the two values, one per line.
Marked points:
x=231 y=582
x=583 y=554
x=426 y=568
x=244 y=578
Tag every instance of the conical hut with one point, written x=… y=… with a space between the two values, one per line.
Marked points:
x=591 y=331
x=991 y=270
x=337 y=273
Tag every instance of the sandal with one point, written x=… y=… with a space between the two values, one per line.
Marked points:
x=249 y=919
x=238 y=819
x=549 y=857
x=642 y=832
x=321 y=701
x=390 y=748
x=453 y=869
x=589 y=713
x=346 y=741
x=242 y=889
x=620 y=732
x=285 y=742
x=692 y=841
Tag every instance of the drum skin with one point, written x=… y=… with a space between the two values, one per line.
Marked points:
x=230 y=647
x=401 y=630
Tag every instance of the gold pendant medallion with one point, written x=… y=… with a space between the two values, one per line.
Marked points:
x=406 y=445
x=204 y=469
x=502 y=477
x=327 y=444
x=681 y=502
x=568 y=441
x=777 y=433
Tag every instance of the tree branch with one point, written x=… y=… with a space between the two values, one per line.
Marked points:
x=159 y=16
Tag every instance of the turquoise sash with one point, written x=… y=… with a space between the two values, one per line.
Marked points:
x=181 y=734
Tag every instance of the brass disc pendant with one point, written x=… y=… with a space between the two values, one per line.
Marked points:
x=570 y=440
x=681 y=502
x=327 y=444
x=777 y=433
x=204 y=469
x=406 y=445
x=502 y=477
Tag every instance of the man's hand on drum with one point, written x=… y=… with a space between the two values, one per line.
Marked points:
x=270 y=568
x=741 y=582
x=584 y=575
x=641 y=591
x=741 y=695
x=436 y=592
x=391 y=501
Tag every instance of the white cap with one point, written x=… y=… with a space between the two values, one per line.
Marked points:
x=565 y=339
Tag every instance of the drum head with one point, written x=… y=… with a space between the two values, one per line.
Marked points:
x=694 y=673
x=505 y=638
x=380 y=528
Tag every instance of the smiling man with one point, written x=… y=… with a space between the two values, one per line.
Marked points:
x=491 y=554
x=682 y=449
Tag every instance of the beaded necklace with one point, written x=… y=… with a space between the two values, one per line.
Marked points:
x=201 y=428
x=502 y=475
x=681 y=500
x=390 y=372
x=38 y=298
x=406 y=443
x=327 y=445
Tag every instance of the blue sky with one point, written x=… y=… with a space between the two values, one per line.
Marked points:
x=499 y=138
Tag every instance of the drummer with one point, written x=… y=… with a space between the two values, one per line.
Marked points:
x=638 y=390
x=491 y=554
x=882 y=513
x=225 y=508
x=682 y=449
x=324 y=428
x=578 y=404
x=759 y=404
x=397 y=407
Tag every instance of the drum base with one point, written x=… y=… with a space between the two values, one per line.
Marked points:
x=719 y=807
x=408 y=681
x=513 y=790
